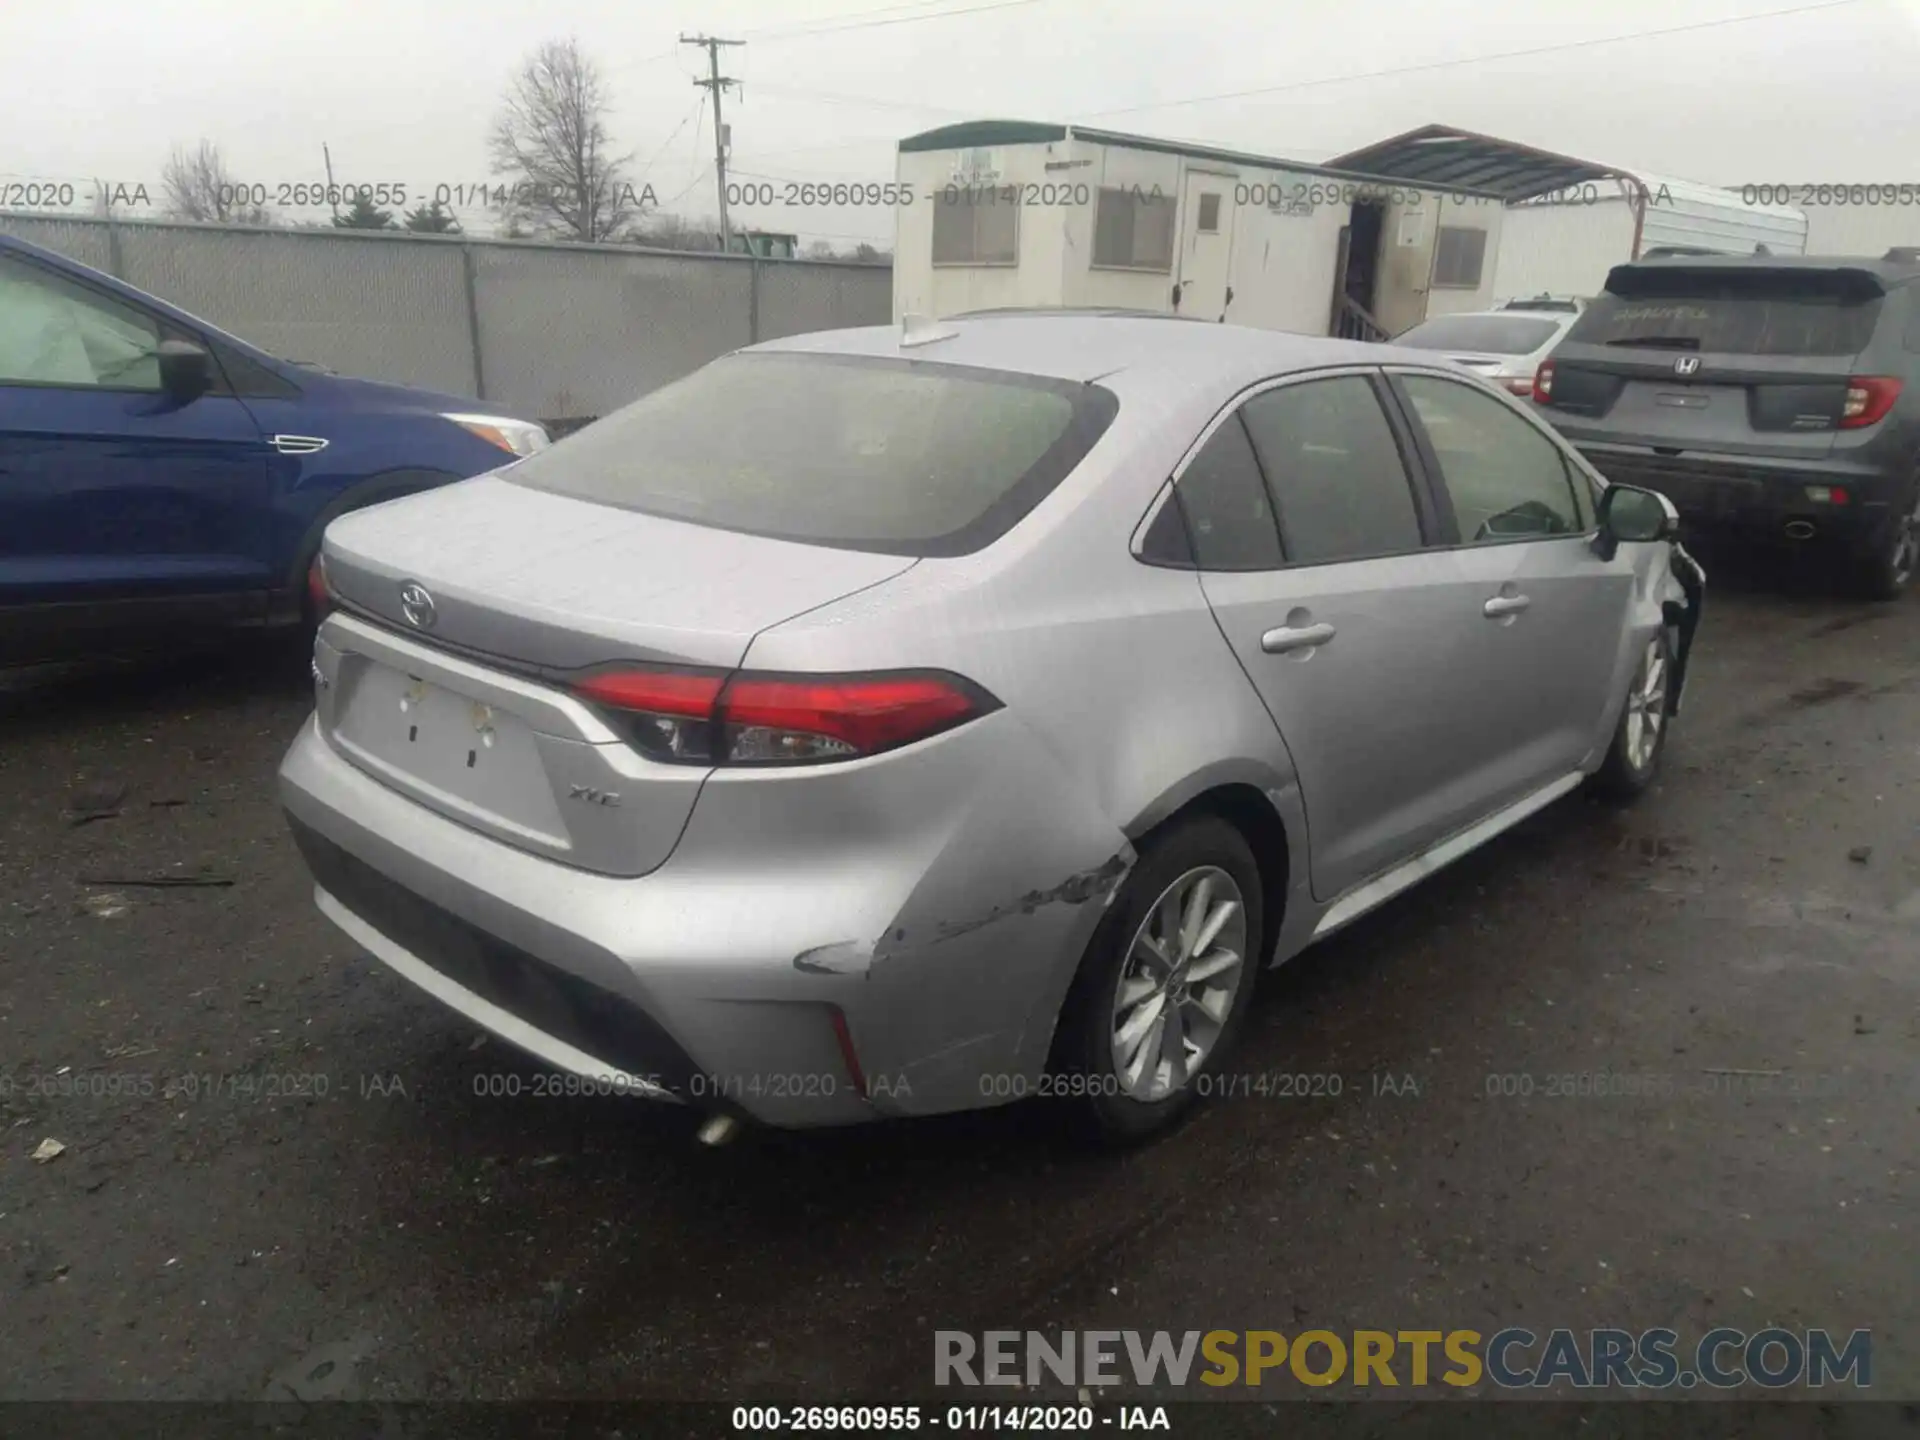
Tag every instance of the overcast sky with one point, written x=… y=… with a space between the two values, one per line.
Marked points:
x=404 y=90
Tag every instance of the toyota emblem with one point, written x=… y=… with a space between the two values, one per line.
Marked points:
x=417 y=605
x=1687 y=365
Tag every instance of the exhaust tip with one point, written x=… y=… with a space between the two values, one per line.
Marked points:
x=1800 y=530
x=718 y=1130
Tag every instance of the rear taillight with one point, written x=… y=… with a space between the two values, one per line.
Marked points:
x=668 y=714
x=1869 y=398
x=1543 y=383
x=319 y=593
x=706 y=718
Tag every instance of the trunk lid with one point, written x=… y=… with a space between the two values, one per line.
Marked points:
x=536 y=578
x=444 y=675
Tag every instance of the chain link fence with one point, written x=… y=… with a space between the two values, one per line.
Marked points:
x=561 y=333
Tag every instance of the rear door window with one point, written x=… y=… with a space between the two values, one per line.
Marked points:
x=1229 y=517
x=901 y=457
x=1779 y=313
x=1338 y=481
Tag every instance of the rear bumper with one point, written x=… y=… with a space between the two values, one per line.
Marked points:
x=1756 y=499
x=723 y=979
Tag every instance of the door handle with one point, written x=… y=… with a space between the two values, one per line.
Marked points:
x=1287 y=637
x=1504 y=605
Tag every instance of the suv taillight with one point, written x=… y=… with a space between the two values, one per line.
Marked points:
x=703 y=717
x=1543 y=383
x=1869 y=398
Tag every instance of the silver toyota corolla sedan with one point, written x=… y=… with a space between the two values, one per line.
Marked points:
x=897 y=721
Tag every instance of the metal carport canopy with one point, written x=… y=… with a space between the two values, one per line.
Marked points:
x=1440 y=155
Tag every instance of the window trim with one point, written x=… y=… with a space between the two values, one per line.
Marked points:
x=1450 y=537
x=1137 y=543
x=1412 y=464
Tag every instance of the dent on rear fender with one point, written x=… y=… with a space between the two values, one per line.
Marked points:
x=964 y=983
x=957 y=1010
x=857 y=957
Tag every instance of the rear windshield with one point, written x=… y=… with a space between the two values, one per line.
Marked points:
x=1483 y=334
x=900 y=456
x=1768 y=314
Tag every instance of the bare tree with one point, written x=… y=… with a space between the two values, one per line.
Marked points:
x=821 y=250
x=198 y=186
x=550 y=143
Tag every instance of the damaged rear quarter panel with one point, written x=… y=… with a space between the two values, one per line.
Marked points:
x=964 y=986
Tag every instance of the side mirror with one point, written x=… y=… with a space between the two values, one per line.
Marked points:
x=186 y=371
x=1629 y=514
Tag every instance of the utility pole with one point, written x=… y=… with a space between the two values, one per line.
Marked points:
x=717 y=83
x=332 y=194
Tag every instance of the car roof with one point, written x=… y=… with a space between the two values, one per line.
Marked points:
x=1096 y=345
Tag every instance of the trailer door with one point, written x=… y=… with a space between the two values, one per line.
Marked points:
x=1206 y=245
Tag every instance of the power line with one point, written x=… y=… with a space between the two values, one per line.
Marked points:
x=699 y=174
x=871 y=142
x=770 y=37
x=1472 y=59
x=827 y=97
x=808 y=27
x=699 y=106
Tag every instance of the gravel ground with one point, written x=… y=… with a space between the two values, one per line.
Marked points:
x=278 y=1178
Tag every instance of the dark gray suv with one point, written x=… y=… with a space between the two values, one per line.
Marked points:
x=1772 y=399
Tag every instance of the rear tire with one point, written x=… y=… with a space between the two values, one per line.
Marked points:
x=1640 y=738
x=1888 y=567
x=1140 y=1037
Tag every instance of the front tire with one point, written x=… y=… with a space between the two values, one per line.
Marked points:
x=1163 y=990
x=1639 y=740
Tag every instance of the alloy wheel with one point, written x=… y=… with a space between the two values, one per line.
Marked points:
x=1178 y=981
x=1647 y=706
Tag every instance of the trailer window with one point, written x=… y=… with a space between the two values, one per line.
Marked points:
x=975 y=226
x=1459 y=253
x=1133 y=229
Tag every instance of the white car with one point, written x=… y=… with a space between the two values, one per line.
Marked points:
x=1504 y=346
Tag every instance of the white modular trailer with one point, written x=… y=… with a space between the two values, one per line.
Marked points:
x=1014 y=214
x=1564 y=243
x=1858 y=219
